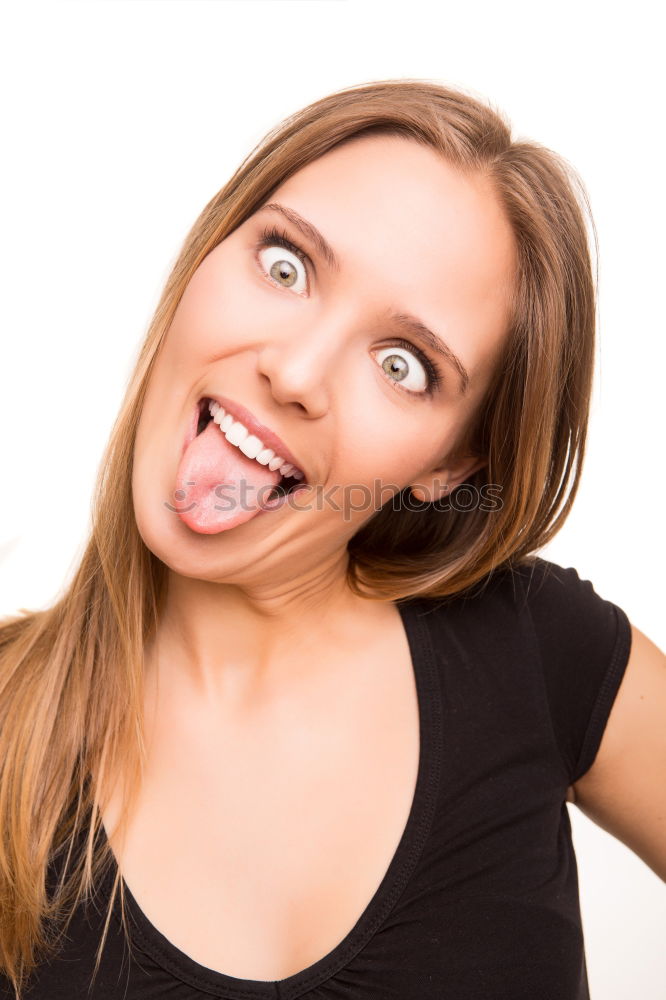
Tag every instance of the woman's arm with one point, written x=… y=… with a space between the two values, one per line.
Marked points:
x=624 y=792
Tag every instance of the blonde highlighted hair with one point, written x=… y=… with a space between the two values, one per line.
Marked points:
x=71 y=676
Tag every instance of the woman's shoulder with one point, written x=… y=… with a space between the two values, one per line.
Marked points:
x=540 y=612
x=536 y=586
x=544 y=627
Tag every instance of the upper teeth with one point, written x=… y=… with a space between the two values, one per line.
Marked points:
x=237 y=434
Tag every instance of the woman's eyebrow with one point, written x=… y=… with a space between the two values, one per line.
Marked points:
x=410 y=324
x=413 y=325
x=309 y=231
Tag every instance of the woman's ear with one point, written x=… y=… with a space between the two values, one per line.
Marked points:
x=440 y=482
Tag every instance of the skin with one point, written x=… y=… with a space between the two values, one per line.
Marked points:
x=251 y=608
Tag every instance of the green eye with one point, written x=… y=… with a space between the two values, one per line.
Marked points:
x=402 y=365
x=283 y=270
x=278 y=265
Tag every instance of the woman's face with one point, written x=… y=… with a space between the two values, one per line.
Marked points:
x=316 y=350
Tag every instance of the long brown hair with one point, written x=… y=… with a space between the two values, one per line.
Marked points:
x=71 y=676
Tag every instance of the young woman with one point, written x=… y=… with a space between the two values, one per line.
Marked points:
x=306 y=721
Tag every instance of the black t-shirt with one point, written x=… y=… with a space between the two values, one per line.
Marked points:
x=480 y=902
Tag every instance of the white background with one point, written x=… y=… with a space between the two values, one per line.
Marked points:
x=122 y=119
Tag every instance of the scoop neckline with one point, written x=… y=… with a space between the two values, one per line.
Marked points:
x=149 y=939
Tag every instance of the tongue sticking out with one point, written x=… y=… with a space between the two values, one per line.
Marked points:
x=217 y=486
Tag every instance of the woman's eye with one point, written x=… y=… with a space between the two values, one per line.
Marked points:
x=404 y=367
x=284 y=267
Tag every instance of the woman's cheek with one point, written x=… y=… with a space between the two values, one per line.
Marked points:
x=385 y=458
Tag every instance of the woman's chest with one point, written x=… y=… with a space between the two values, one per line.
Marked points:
x=255 y=846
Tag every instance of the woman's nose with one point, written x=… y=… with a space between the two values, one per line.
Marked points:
x=299 y=368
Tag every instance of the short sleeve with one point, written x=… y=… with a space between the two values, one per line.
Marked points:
x=584 y=643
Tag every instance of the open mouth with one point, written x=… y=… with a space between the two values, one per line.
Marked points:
x=287 y=483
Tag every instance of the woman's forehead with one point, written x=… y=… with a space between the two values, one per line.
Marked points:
x=382 y=196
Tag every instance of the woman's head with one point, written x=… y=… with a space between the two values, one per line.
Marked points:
x=432 y=212
x=320 y=351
